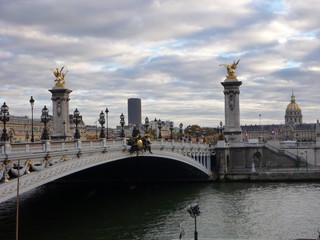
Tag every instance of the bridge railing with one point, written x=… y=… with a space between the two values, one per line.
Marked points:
x=52 y=146
x=48 y=153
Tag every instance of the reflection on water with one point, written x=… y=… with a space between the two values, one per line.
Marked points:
x=154 y=211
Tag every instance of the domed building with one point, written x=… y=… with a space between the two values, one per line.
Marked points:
x=293 y=112
x=293 y=129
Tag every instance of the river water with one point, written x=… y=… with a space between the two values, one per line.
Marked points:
x=69 y=211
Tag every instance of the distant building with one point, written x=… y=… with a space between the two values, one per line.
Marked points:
x=134 y=111
x=293 y=129
x=300 y=132
x=19 y=129
x=293 y=113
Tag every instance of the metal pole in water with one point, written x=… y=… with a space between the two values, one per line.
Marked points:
x=17 y=207
x=195 y=229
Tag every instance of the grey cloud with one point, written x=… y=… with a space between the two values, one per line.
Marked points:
x=165 y=52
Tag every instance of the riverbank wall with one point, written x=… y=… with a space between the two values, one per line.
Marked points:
x=285 y=176
x=263 y=162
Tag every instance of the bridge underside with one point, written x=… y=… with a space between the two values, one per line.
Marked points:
x=139 y=169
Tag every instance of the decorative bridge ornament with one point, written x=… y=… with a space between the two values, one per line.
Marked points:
x=44 y=162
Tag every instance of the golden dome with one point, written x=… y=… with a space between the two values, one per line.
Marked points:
x=293 y=106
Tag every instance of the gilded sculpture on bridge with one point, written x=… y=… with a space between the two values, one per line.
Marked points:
x=60 y=75
x=139 y=144
x=231 y=69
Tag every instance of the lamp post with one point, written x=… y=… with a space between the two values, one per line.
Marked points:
x=107 y=111
x=297 y=145
x=204 y=135
x=45 y=119
x=159 y=127
x=77 y=119
x=171 y=129
x=32 y=104
x=102 y=121
x=197 y=134
x=122 y=122
x=146 y=124
x=189 y=131
x=4 y=117
x=194 y=211
x=220 y=129
x=180 y=130
x=260 y=129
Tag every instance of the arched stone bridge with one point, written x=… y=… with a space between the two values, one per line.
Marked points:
x=44 y=162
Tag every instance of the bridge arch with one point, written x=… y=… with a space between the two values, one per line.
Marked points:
x=168 y=162
x=143 y=168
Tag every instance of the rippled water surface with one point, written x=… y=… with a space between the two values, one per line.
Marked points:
x=102 y=211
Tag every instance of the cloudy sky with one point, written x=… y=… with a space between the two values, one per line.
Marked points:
x=166 y=52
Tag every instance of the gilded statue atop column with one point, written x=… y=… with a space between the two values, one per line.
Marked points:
x=231 y=69
x=60 y=75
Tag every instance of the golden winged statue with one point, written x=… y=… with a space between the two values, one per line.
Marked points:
x=231 y=69
x=59 y=74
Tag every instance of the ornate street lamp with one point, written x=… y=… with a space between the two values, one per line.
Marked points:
x=146 y=124
x=197 y=134
x=180 y=130
x=194 y=211
x=102 y=121
x=159 y=127
x=32 y=104
x=220 y=129
x=4 y=117
x=45 y=119
x=189 y=131
x=204 y=135
x=77 y=118
x=122 y=122
x=171 y=129
x=107 y=111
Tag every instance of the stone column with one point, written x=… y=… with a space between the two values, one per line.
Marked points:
x=60 y=113
x=232 y=131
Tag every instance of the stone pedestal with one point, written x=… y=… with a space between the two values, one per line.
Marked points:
x=6 y=147
x=103 y=142
x=46 y=147
x=232 y=130
x=60 y=113
x=77 y=144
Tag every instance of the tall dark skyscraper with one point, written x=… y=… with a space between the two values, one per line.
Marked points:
x=134 y=111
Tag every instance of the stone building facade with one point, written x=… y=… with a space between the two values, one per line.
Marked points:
x=19 y=129
x=293 y=129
